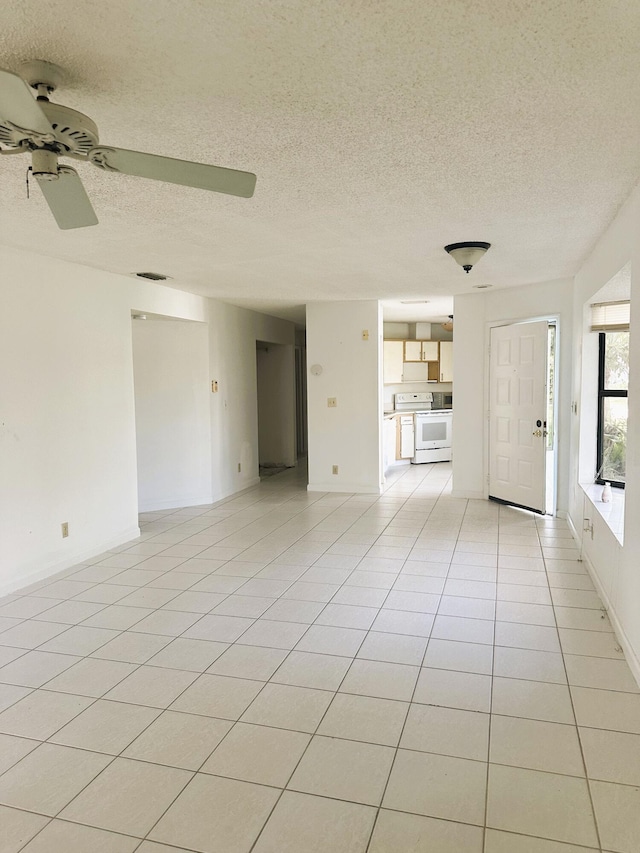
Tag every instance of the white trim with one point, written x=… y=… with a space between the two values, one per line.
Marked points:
x=632 y=659
x=629 y=652
x=468 y=495
x=56 y=565
x=253 y=482
x=345 y=488
x=574 y=532
x=551 y=319
x=176 y=503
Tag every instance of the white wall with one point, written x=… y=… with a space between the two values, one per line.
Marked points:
x=67 y=420
x=469 y=436
x=67 y=434
x=276 y=422
x=349 y=435
x=614 y=568
x=233 y=333
x=173 y=426
x=474 y=315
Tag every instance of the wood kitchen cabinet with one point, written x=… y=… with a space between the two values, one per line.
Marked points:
x=405 y=442
x=393 y=361
x=411 y=361
x=420 y=351
x=446 y=361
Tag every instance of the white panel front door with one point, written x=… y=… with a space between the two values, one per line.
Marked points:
x=517 y=414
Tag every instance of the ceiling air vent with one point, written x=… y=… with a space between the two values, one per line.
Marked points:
x=152 y=276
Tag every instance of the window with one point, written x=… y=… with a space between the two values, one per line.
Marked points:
x=613 y=384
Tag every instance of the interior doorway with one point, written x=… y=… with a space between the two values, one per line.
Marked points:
x=522 y=405
x=301 y=401
x=275 y=381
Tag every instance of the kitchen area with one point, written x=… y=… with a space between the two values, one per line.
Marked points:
x=418 y=393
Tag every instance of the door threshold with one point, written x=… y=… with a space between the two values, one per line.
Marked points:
x=518 y=506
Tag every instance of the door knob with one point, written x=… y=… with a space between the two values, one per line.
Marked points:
x=537 y=433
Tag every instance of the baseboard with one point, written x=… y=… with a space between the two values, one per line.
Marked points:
x=573 y=529
x=223 y=496
x=472 y=496
x=176 y=503
x=345 y=488
x=55 y=565
x=629 y=652
x=199 y=500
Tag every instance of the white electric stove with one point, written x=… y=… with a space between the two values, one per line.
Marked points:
x=432 y=427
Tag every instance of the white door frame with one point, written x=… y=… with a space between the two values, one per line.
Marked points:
x=551 y=319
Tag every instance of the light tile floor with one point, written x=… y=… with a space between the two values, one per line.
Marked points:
x=292 y=672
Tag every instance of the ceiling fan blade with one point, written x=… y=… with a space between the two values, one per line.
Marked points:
x=19 y=107
x=68 y=200
x=183 y=172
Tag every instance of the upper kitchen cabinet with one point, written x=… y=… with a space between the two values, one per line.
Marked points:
x=393 y=361
x=417 y=361
x=420 y=351
x=446 y=361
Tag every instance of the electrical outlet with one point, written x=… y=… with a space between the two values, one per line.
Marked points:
x=239 y=467
x=334 y=469
x=65 y=529
x=332 y=402
x=365 y=334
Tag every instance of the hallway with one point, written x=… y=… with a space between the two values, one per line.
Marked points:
x=296 y=672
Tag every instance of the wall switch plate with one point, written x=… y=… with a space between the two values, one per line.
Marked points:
x=65 y=529
x=332 y=402
x=334 y=469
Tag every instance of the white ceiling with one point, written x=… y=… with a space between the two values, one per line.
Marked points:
x=379 y=131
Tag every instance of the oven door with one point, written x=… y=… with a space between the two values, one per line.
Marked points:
x=433 y=430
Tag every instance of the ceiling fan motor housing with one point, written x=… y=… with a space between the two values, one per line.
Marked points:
x=73 y=132
x=44 y=164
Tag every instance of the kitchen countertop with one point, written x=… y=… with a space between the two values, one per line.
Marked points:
x=392 y=412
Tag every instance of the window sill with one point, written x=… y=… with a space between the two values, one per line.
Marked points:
x=612 y=513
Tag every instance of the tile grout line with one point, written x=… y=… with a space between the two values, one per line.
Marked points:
x=413 y=692
x=486 y=792
x=362 y=514
x=577 y=728
x=335 y=693
x=231 y=729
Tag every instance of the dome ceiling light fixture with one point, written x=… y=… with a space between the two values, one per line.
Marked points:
x=448 y=325
x=467 y=254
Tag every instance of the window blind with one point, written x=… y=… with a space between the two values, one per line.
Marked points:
x=610 y=316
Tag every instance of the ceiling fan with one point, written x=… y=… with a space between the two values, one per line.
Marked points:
x=47 y=131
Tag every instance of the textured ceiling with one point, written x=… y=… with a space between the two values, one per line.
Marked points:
x=380 y=130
